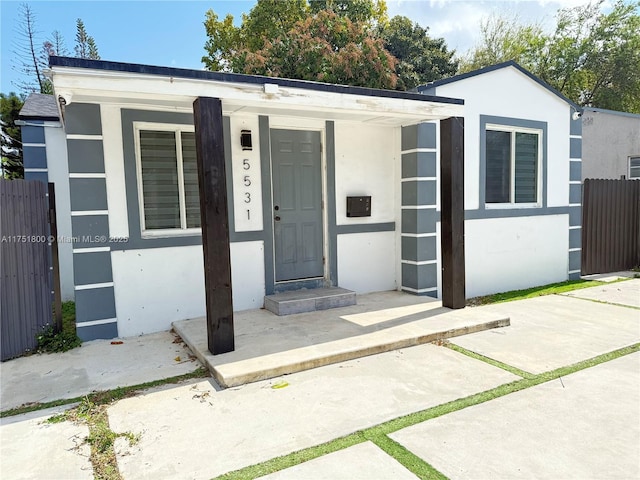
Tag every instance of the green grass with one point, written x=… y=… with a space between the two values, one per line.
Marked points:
x=106 y=396
x=379 y=433
x=551 y=289
x=490 y=361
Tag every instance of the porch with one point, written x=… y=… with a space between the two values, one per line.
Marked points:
x=267 y=345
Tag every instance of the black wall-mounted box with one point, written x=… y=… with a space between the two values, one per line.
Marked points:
x=358 y=206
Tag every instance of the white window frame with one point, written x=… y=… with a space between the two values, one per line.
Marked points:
x=512 y=184
x=631 y=157
x=178 y=129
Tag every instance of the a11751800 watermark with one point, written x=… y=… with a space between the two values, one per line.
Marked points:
x=62 y=239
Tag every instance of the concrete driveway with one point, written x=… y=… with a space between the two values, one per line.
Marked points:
x=466 y=418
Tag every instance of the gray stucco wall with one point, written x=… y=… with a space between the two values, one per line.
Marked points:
x=608 y=139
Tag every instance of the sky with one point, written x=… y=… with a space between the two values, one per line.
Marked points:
x=171 y=33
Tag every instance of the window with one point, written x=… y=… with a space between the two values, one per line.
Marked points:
x=167 y=179
x=634 y=167
x=513 y=160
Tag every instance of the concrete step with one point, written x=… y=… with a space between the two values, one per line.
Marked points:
x=309 y=300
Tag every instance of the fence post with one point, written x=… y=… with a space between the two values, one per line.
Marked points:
x=55 y=259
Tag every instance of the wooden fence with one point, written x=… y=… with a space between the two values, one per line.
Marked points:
x=610 y=225
x=26 y=277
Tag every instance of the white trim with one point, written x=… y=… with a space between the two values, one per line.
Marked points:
x=91 y=286
x=87 y=213
x=177 y=129
x=511 y=129
x=575 y=249
x=92 y=323
x=36 y=170
x=575 y=182
x=575 y=227
x=87 y=175
x=575 y=160
x=421 y=290
x=420 y=150
x=576 y=136
x=419 y=235
x=423 y=262
x=78 y=136
x=575 y=271
x=575 y=205
x=419 y=179
x=91 y=249
x=418 y=207
x=34 y=145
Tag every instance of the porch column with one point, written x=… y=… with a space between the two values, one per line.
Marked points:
x=214 y=216
x=419 y=215
x=452 y=211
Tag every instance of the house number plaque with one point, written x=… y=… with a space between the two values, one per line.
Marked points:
x=247 y=198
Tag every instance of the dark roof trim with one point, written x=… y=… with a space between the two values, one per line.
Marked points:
x=611 y=112
x=492 y=68
x=241 y=78
x=41 y=118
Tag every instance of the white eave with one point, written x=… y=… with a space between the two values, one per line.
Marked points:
x=87 y=85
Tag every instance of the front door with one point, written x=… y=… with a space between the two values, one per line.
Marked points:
x=297 y=204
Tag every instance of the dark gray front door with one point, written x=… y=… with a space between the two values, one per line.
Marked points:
x=297 y=204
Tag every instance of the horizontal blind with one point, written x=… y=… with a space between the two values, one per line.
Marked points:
x=159 y=179
x=190 y=172
x=526 y=174
x=498 y=167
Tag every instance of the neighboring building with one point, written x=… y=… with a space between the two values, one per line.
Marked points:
x=138 y=258
x=522 y=179
x=44 y=143
x=610 y=144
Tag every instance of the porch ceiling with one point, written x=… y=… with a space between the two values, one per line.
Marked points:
x=178 y=94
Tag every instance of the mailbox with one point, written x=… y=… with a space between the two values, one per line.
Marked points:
x=358 y=206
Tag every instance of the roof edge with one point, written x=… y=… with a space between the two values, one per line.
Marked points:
x=72 y=62
x=612 y=112
x=492 y=68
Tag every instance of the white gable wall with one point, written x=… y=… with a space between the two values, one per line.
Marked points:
x=518 y=252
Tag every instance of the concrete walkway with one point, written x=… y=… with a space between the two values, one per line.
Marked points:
x=96 y=365
x=584 y=425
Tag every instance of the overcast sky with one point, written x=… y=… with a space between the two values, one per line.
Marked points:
x=171 y=33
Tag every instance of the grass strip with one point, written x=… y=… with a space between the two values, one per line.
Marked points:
x=378 y=431
x=106 y=396
x=606 y=303
x=490 y=361
x=551 y=289
x=410 y=461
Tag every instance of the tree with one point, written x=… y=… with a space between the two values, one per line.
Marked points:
x=29 y=63
x=591 y=57
x=85 y=44
x=421 y=59
x=12 y=166
x=369 y=12
x=329 y=48
x=268 y=19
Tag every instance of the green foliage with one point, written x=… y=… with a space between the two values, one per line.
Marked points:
x=349 y=42
x=421 y=59
x=50 y=341
x=593 y=58
x=369 y=12
x=85 y=44
x=327 y=48
x=12 y=165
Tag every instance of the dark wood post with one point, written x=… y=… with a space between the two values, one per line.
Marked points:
x=55 y=259
x=214 y=218
x=452 y=211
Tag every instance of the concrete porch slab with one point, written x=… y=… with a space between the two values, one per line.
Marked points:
x=268 y=346
x=621 y=293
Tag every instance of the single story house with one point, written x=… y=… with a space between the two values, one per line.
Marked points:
x=326 y=185
x=610 y=144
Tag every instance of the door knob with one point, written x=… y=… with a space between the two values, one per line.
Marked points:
x=277 y=218
x=276 y=208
